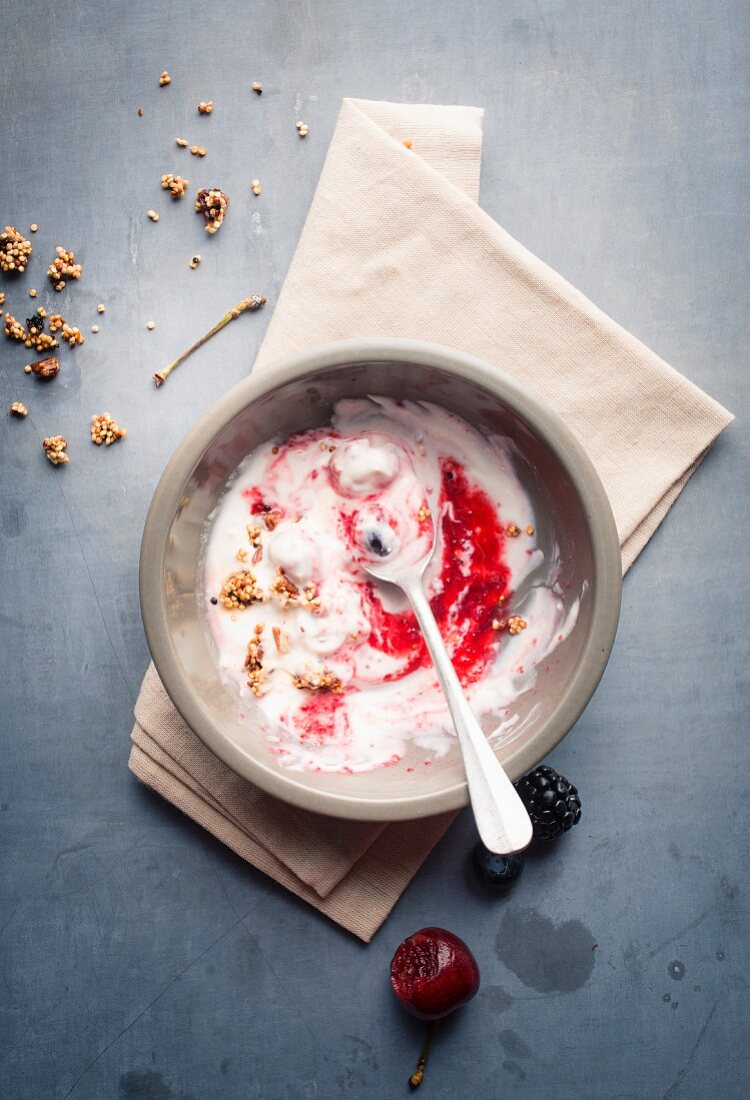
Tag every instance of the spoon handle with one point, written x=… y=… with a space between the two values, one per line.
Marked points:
x=500 y=815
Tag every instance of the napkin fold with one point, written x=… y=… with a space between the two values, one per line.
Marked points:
x=396 y=245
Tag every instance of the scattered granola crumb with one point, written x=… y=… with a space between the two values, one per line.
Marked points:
x=255 y=184
x=33 y=227
x=152 y=215
x=205 y=107
x=257 y=87
x=274 y=450
x=100 y=308
x=54 y=448
x=325 y=680
x=72 y=334
x=407 y=143
x=254 y=534
x=44 y=368
x=63 y=268
x=212 y=203
x=94 y=328
x=13 y=329
x=529 y=530
x=513 y=531
x=498 y=624
x=195 y=260
x=104 y=429
x=140 y=112
x=32 y=293
x=2 y=298
x=271 y=520
x=183 y=144
x=240 y=590
x=36 y=337
x=516 y=624
x=42 y=312
x=423 y=514
x=15 y=250
x=242 y=554
x=165 y=78
x=56 y=322
x=302 y=129
x=176 y=185
x=501 y=599
x=150 y=325
x=18 y=409
x=198 y=150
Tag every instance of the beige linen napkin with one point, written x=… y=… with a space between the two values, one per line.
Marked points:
x=395 y=245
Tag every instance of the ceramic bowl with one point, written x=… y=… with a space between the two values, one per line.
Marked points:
x=571 y=509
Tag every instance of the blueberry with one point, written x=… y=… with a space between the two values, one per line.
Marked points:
x=498 y=872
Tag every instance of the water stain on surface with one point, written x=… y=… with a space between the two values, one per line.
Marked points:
x=515 y=1069
x=497 y=998
x=148 y=1085
x=676 y=970
x=548 y=957
x=513 y=1044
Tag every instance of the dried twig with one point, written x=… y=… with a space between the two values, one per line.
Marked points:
x=253 y=303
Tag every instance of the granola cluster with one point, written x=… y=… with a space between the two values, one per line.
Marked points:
x=212 y=203
x=325 y=680
x=44 y=368
x=54 y=448
x=240 y=590
x=254 y=661
x=18 y=409
x=164 y=79
x=516 y=624
x=105 y=429
x=176 y=185
x=287 y=594
x=63 y=268
x=71 y=334
x=36 y=337
x=205 y=107
x=15 y=250
x=14 y=330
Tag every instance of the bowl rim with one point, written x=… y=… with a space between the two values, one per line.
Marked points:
x=605 y=593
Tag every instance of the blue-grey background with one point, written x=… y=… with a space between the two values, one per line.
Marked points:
x=141 y=960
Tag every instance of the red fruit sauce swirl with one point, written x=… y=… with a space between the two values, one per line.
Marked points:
x=474 y=575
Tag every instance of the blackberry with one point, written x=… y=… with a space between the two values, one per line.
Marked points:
x=552 y=802
x=497 y=872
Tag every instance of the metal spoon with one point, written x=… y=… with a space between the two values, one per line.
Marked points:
x=501 y=817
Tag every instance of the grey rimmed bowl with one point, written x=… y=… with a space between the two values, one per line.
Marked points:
x=572 y=512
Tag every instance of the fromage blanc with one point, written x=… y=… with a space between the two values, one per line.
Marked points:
x=332 y=662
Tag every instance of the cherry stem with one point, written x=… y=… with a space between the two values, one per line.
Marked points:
x=416 y=1078
x=248 y=303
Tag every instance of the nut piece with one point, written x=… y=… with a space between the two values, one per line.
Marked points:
x=195 y=260
x=152 y=215
x=176 y=186
x=181 y=142
x=18 y=409
x=240 y=590
x=44 y=368
x=205 y=107
x=257 y=87
x=15 y=250
x=54 y=448
x=198 y=150
x=256 y=187
x=14 y=330
x=212 y=203
x=325 y=680
x=139 y=112
x=165 y=78
x=63 y=268
x=104 y=429
x=302 y=129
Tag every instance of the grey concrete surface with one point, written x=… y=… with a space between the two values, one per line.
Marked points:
x=142 y=961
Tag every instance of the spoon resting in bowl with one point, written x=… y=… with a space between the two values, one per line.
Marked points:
x=501 y=818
